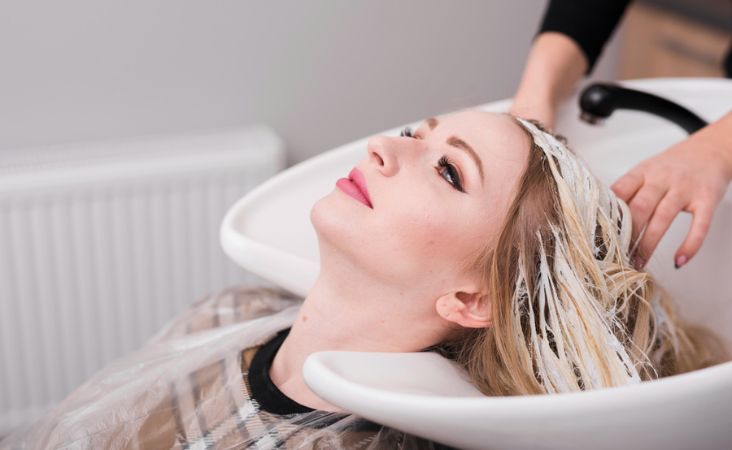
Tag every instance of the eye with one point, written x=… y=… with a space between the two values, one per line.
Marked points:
x=444 y=163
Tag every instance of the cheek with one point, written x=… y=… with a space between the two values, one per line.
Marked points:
x=424 y=241
x=401 y=242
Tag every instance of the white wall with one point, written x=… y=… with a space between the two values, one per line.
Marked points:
x=321 y=73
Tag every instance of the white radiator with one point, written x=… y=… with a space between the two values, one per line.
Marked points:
x=101 y=244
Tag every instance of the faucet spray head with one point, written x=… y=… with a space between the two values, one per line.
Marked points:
x=591 y=118
x=597 y=102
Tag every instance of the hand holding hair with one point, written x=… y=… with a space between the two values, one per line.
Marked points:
x=691 y=176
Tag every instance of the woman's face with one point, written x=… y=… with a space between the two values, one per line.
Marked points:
x=436 y=199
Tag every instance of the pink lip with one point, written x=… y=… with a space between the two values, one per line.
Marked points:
x=355 y=186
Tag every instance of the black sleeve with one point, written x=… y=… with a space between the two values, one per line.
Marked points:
x=587 y=22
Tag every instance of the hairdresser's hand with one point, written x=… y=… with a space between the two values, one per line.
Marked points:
x=691 y=176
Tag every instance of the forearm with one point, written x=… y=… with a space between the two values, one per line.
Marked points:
x=719 y=135
x=554 y=66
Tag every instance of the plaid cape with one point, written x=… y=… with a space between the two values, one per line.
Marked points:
x=206 y=407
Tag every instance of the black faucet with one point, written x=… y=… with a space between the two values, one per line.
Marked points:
x=598 y=100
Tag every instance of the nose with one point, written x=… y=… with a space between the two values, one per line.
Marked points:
x=387 y=153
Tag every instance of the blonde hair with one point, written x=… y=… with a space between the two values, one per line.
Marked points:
x=569 y=311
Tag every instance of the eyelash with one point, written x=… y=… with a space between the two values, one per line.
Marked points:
x=443 y=163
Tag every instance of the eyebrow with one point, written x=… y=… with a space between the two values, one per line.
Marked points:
x=459 y=143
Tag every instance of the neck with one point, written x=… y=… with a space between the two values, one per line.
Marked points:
x=345 y=313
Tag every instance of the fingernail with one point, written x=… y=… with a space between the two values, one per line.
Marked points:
x=680 y=261
x=638 y=262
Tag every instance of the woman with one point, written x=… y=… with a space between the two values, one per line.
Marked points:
x=455 y=239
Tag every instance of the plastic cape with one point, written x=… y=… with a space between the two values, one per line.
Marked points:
x=187 y=388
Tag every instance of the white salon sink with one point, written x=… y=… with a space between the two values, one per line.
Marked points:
x=269 y=233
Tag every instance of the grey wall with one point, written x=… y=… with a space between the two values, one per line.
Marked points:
x=321 y=73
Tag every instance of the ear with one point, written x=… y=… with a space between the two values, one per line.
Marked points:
x=467 y=309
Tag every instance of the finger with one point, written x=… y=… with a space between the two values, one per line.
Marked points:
x=627 y=185
x=663 y=216
x=697 y=232
x=642 y=206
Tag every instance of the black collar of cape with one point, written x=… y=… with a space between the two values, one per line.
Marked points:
x=274 y=401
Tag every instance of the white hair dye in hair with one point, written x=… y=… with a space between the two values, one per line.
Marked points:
x=579 y=320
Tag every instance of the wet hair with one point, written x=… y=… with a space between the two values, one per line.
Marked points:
x=569 y=311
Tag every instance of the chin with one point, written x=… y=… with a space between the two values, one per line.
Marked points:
x=332 y=221
x=339 y=231
x=339 y=210
x=319 y=214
